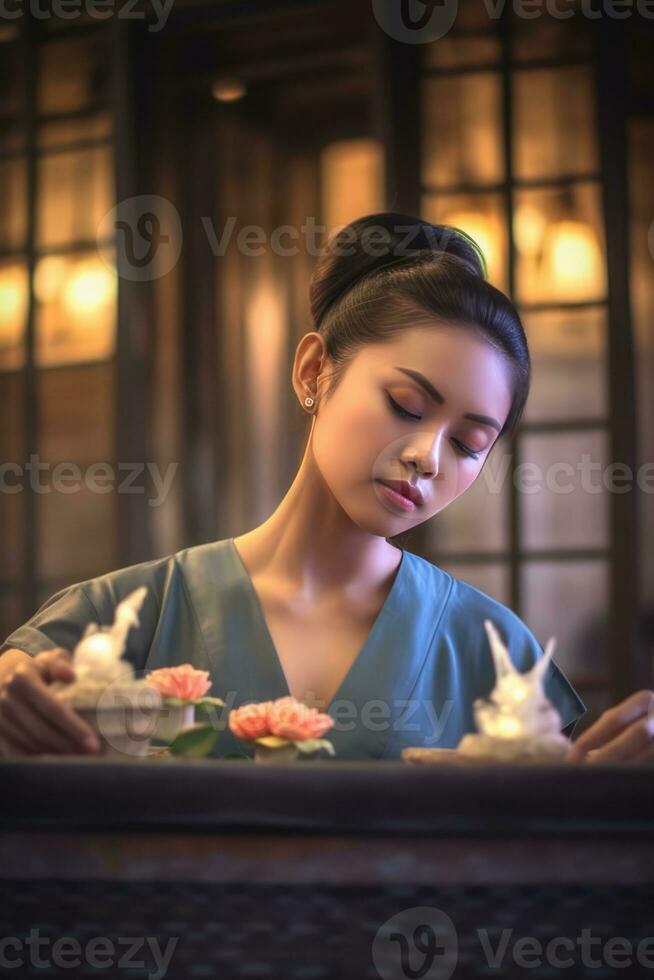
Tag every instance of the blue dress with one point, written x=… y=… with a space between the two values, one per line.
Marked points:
x=413 y=682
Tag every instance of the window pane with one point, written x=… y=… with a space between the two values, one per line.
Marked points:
x=60 y=132
x=461 y=130
x=75 y=193
x=77 y=531
x=483 y=217
x=76 y=309
x=559 y=238
x=13 y=203
x=73 y=74
x=477 y=520
x=570 y=600
x=351 y=180
x=454 y=51
x=641 y=183
x=13 y=311
x=554 y=120
x=11 y=74
x=563 y=497
x=544 y=37
x=493 y=579
x=568 y=354
x=12 y=426
x=76 y=414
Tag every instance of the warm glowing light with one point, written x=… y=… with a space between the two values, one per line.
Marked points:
x=529 y=226
x=13 y=304
x=49 y=277
x=484 y=231
x=89 y=288
x=506 y=726
x=352 y=180
x=228 y=90
x=572 y=261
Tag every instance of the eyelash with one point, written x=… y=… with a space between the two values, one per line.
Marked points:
x=402 y=412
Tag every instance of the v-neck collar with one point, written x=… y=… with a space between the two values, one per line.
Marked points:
x=365 y=656
x=245 y=667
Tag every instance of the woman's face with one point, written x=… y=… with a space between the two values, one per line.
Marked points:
x=362 y=437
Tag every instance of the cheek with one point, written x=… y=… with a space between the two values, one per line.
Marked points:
x=348 y=438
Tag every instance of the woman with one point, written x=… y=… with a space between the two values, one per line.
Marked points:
x=416 y=368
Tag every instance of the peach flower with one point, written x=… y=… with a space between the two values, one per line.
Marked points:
x=290 y=718
x=184 y=682
x=250 y=720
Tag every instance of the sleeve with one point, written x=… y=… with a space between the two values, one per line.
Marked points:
x=60 y=622
x=62 y=619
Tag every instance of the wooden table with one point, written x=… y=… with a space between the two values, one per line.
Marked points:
x=315 y=869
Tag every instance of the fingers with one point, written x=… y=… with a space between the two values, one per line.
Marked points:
x=55 y=665
x=633 y=741
x=25 y=698
x=32 y=733
x=612 y=723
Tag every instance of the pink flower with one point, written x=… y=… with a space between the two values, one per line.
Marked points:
x=184 y=682
x=286 y=717
x=250 y=720
x=290 y=718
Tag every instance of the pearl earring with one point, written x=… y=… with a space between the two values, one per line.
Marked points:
x=308 y=401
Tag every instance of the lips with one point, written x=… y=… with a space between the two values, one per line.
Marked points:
x=406 y=489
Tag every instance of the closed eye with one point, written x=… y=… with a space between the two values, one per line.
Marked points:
x=402 y=412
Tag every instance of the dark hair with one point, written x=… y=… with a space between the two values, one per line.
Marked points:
x=382 y=270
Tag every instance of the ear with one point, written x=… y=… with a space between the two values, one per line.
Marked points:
x=538 y=671
x=501 y=658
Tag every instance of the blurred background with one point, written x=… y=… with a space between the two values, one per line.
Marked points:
x=146 y=345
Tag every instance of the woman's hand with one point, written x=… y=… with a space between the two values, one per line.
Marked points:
x=624 y=733
x=32 y=719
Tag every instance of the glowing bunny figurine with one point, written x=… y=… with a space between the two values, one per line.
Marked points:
x=518 y=721
x=99 y=654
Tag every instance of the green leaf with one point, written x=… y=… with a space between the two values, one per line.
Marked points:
x=206 y=700
x=174 y=702
x=236 y=755
x=196 y=741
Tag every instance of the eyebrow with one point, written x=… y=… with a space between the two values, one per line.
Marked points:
x=436 y=395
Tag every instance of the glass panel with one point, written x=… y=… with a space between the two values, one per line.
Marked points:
x=71 y=130
x=454 y=51
x=554 y=122
x=75 y=193
x=76 y=309
x=641 y=187
x=77 y=531
x=14 y=475
x=477 y=520
x=568 y=354
x=483 y=217
x=351 y=180
x=563 y=490
x=13 y=311
x=545 y=37
x=73 y=74
x=76 y=414
x=560 y=245
x=570 y=600
x=461 y=130
x=492 y=579
x=13 y=203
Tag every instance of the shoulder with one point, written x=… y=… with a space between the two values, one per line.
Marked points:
x=465 y=611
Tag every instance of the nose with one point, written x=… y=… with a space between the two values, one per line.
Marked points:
x=426 y=457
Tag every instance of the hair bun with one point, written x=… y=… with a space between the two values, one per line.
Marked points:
x=382 y=241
